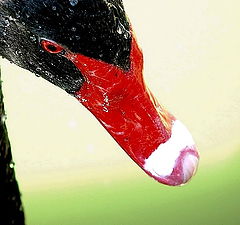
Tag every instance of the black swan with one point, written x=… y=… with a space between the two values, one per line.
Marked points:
x=87 y=48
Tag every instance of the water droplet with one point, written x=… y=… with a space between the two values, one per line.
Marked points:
x=84 y=100
x=33 y=38
x=38 y=69
x=3 y=118
x=11 y=165
x=11 y=18
x=73 y=29
x=7 y=23
x=21 y=208
x=54 y=8
x=77 y=37
x=123 y=31
x=105 y=109
x=106 y=99
x=73 y=2
x=78 y=96
x=119 y=29
x=126 y=35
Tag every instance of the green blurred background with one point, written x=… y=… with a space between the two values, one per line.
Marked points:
x=70 y=170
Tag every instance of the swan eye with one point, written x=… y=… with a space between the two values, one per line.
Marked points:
x=51 y=46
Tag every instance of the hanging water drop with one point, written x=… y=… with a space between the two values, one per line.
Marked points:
x=3 y=118
x=12 y=164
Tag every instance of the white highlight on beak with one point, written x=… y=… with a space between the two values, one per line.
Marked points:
x=189 y=167
x=163 y=160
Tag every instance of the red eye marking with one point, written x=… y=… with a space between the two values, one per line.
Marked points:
x=51 y=46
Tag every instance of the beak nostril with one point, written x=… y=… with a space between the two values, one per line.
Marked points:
x=51 y=46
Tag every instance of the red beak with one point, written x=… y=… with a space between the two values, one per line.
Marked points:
x=151 y=136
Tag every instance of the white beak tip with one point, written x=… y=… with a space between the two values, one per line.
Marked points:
x=175 y=161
